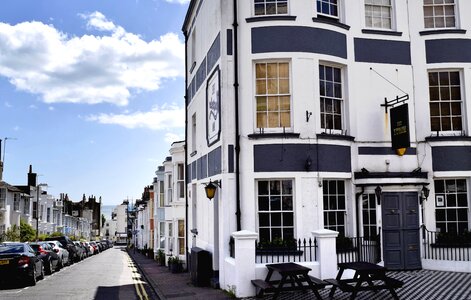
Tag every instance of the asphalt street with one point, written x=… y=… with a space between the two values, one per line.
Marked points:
x=108 y=275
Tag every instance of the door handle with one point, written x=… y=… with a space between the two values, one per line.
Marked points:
x=412 y=211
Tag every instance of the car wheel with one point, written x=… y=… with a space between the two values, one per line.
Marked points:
x=32 y=278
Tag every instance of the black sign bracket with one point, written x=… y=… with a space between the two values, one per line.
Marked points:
x=393 y=102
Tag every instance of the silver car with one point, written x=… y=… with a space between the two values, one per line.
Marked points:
x=61 y=252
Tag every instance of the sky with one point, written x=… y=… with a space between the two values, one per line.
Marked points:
x=91 y=93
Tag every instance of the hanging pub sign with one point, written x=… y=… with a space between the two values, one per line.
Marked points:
x=400 y=136
x=213 y=109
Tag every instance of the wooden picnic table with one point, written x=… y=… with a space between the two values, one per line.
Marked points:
x=368 y=277
x=294 y=274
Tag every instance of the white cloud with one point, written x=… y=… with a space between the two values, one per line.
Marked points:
x=178 y=1
x=39 y=59
x=7 y=104
x=51 y=108
x=172 y=137
x=159 y=118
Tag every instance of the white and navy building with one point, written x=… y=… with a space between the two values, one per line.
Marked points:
x=289 y=107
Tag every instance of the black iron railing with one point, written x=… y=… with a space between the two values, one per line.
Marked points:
x=446 y=246
x=353 y=249
x=287 y=251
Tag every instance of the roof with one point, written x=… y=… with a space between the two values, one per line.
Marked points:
x=188 y=15
x=9 y=187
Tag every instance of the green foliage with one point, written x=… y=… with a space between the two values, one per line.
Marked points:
x=103 y=220
x=277 y=244
x=12 y=234
x=452 y=238
x=42 y=237
x=55 y=234
x=27 y=233
x=231 y=291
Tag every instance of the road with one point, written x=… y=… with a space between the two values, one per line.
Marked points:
x=108 y=275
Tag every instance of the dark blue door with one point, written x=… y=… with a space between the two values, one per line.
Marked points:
x=401 y=235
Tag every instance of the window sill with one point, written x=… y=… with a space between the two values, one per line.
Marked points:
x=381 y=32
x=270 y=18
x=287 y=135
x=342 y=137
x=442 y=31
x=447 y=138
x=193 y=65
x=330 y=21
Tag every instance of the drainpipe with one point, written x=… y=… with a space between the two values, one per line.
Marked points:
x=236 y=103
x=186 y=149
x=357 y=210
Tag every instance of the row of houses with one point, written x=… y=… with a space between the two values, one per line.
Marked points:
x=47 y=214
x=332 y=121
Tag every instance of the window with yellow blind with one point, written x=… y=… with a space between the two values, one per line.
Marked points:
x=181 y=237
x=273 y=96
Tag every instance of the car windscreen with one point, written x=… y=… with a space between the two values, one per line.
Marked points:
x=11 y=249
x=35 y=247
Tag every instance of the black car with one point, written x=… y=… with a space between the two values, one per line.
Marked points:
x=67 y=244
x=48 y=255
x=19 y=261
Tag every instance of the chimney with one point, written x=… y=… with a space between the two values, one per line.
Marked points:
x=31 y=177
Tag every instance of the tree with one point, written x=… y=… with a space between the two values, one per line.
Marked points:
x=103 y=220
x=27 y=233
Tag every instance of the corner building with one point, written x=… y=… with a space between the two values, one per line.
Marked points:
x=283 y=108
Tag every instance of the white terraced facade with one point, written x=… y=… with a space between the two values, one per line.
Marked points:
x=284 y=108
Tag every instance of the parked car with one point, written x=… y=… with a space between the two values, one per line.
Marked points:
x=19 y=261
x=90 y=247
x=61 y=252
x=47 y=254
x=67 y=244
x=96 y=249
x=81 y=254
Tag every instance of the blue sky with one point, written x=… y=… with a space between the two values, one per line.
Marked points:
x=91 y=91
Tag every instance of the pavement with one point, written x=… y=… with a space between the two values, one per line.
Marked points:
x=418 y=285
x=168 y=285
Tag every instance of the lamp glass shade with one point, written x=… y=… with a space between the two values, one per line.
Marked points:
x=401 y=151
x=210 y=190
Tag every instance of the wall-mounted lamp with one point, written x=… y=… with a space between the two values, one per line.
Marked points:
x=308 y=115
x=211 y=187
x=426 y=193
x=378 y=192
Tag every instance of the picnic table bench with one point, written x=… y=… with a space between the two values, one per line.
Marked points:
x=368 y=277
x=296 y=276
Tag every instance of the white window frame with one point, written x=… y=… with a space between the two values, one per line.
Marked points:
x=442 y=132
x=426 y=3
x=271 y=211
x=265 y=2
x=342 y=99
x=457 y=207
x=162 y=239
x=169 y=188
x=16 y=202
x=181 y=237
x=368 y=207
x=289 y=94
x=3 y=198
x=170 y=239
x=381 y=6
x=161 y=193
x=329 y=15
x=337 y=210
x=26 y=206
x=180 y=181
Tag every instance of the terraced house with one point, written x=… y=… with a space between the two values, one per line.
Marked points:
x=350 y=116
